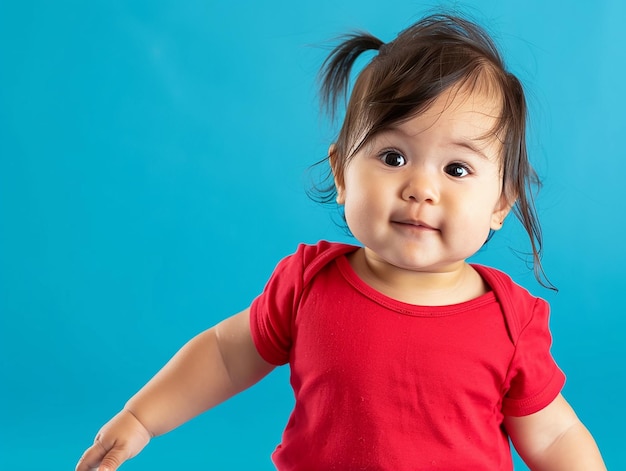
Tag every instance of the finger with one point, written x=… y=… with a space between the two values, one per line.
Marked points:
x=97 y=457
x=114 y=456
x=91 y=458
x=113 y=460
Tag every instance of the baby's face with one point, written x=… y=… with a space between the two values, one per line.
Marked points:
x=424 y=194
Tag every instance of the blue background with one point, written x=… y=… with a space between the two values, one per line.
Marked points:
x=153 y=167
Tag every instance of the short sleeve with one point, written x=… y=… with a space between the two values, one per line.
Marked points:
x=271 y=313
x=534 y=380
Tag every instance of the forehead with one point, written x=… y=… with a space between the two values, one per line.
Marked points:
x=460 y=110
x=457 y=117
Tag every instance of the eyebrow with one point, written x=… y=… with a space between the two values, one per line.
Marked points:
x=464 y=143
x=470 y=145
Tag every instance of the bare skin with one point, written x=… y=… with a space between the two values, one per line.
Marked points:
x=554 y=439
x=210 y=368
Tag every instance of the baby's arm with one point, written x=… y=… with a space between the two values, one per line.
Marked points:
x=554 y=439
x=210 y=368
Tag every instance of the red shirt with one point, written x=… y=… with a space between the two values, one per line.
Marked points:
x=381 y=384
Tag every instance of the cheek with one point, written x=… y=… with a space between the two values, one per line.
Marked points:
x=363 y=191
x=477 y=208
x=363 y=203
x=356 y=206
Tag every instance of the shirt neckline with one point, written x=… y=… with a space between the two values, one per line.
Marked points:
x=376 y=296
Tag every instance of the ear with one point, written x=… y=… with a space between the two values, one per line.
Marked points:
x=500 y=212
x=337 y=174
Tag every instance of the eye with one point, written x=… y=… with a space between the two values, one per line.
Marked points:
x=393 y=159
x=457 y=170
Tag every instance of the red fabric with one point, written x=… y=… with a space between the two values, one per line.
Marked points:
x=381 y=384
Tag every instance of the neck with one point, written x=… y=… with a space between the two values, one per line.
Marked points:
x=451 y=284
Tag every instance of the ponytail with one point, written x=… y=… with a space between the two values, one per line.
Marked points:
x=335 y=71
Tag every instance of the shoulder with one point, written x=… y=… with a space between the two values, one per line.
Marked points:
x=273 y=311
x=517 y=303
x=296 y=270
x=311 y=258
x=503 y=285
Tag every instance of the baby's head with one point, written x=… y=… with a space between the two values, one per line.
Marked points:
x=438 y=54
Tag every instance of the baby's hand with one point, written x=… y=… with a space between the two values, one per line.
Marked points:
x=122 y=438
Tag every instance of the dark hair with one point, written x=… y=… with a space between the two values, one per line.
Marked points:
x=433 y=55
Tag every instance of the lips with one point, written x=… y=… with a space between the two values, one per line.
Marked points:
x=412 y=223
